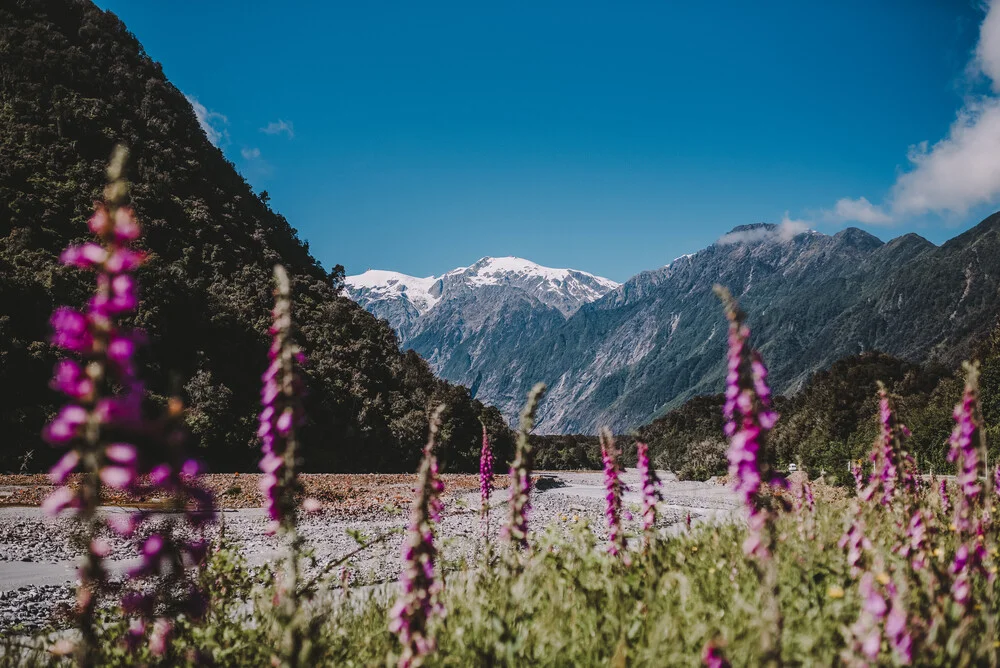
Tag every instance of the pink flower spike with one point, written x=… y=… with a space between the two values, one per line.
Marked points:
x=70 y=330
x=126 y=228
x=160 y=475
x=121 y=453
x=123 y=524
x=70 y=379
x=159 y=638
x=66 y=464
x=311 y=505
x=100 y=547
x=191 y=468
x=99 y=222
x=86 y=256
x=57 y=501
x=118 y=477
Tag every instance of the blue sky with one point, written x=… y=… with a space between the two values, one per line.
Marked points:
x=608 y=137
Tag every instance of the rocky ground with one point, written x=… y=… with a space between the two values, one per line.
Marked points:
x=37 y=554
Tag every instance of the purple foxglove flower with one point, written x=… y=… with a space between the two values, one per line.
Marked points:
x=856 y=542
x=516 y=530
x=59 y=500
x=159 y=639
x=87 y=256
x=651 y=494
x=281 y=412
x=748 y=417
x=70 y=330
x=712 y=657
x=123 y=260
x=613 y=489
x=70 y=379
x=126 y=227
x=867 y=630
x=160 y=475
x=99 y=222
x=417 y=605
x=117 y=477
x=943 y=493
x=66 y=426
x=965 y=444
x=66 y=464
x=485 y=484
x=122 y=453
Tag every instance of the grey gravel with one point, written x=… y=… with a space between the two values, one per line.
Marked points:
x=37 y=553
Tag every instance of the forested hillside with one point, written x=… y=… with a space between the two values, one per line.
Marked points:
x=833 y=419
x=73 y=83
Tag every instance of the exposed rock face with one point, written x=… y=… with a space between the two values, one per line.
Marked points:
x=658 y=339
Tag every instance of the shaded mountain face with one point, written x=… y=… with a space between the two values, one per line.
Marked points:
x=659 y=339
x=73 y=83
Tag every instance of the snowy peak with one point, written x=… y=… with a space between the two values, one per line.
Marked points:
x=379 y=285
x=564 y=289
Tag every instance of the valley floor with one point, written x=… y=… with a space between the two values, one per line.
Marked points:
x=37 y=557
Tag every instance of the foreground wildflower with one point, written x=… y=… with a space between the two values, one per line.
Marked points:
x=651 y=494
x=166 y=576
x=856 y=543
x=613 y=488
x=712 y=657
x=866 y=633
x=748 y=418
x=485 y=484
x=887 y=455
x=417 y=605
x=516 y=530
x=281 y=412
x=964 y=448
x=104 y=362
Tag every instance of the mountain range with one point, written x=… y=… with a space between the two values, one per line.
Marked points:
x=620 y=355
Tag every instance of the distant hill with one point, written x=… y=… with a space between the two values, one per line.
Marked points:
x=659 y=339
x=74 y=82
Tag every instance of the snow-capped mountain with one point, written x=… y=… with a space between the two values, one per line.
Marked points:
x=403 y=299
x=620 y=355
x=467 y=321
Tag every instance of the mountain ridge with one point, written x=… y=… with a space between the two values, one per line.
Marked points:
x=658 y=339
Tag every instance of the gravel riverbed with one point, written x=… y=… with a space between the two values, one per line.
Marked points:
x=37 y=553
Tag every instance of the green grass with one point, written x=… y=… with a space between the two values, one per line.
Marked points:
x=567 y=603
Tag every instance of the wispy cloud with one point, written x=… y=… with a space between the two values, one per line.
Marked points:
x=212 y=122
x=278 y=127
x=958 y=172
x=250 y=153
x=784 y=231
x=860 y=210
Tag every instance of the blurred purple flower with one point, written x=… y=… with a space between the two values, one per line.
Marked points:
x=417 y=604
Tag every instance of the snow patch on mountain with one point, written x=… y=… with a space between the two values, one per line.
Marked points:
x=564 y=289
x=379 y=285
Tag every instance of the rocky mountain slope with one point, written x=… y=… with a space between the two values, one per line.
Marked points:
x=659 y=338
x=468 y=321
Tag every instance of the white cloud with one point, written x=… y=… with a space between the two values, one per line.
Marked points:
x=250 y=153
x=784 y=231
x=212 y=122
x=860 y=210
x=958 y=172
x=988 y=50
x=278 y=127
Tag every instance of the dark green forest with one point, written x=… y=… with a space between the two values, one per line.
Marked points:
x=73 y=83
x=833 y=419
